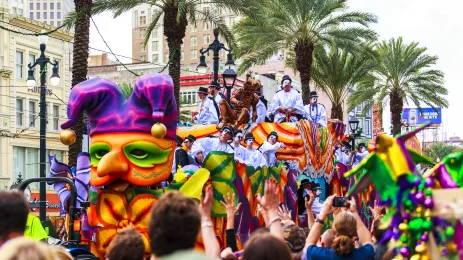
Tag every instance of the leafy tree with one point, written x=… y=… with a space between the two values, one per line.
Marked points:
x=301 y=26
x=403 y=72
x=336 y=71
x=126 y=88
x=437 y=151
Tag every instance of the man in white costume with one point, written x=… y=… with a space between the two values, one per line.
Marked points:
x=236 y=145
x=203 y=146
x=252 y=157
x=287 y=103
x=314 y=111
x=344 y=153
x=362 y=153
x=261 y=108
x=270 y=147
x=207 y=113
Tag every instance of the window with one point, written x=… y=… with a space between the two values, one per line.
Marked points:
x=37 y=6
x=13 y=11
x=142 y=12
x=193 y=40
x=142 y=33
x=189 y=97
x=19 y=112
x=32 y=113
x=45 y=15
x=58 y=23
x=143 y=58
x=367 y=125
x=142 y=20
x=52 y=15
x=26 y=163
x=20 y=12
x=207 y=38
x=193 y=27
x=37 y=15
x=58 y=6
x=194 y=54
x=52 y=23
x=155 y=46
x=206 y=9
x=52 y=6
x=55 y=117
x=58 y=15
x=142 y=46
x=45 y=6
x=31 y=15
x=31 y=6
x=155 y=58
x=206 y=26
x=19 y=64
x=154 y=32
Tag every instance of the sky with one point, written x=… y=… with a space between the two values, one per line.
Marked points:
x=435 y=25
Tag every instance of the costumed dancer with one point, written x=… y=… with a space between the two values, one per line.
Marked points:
x=236 y=144
x=314 y=111
x=261 y=108
x=203 y=146
x=362 y=153
x=252 y=157
x=270 y=147
x=287 y=103
x=188 y=142
x=207 y=114
x=180 y=157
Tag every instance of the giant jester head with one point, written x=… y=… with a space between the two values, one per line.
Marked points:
x=132 y=140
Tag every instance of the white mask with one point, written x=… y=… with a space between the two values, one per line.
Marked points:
x=286 y=82
x=237 y=138
x=272 y=138
x=318 y=192
x=249 y=142
x=313 y=100
x=362 y=150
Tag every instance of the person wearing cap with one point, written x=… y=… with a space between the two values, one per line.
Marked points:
x=188 y=143
x=236 y=144
x=362 y=153
x=287 y=103
x=261 y=108
x=252 y=157
x=207 y=112
x=314 y=111
x=270 y=147
x=317 y=191
x=180 y=157
x=203 y=146
x=343 y=154
x=216 y=96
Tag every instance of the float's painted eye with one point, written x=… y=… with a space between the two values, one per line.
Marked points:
x=97 y=151
x=146 y=154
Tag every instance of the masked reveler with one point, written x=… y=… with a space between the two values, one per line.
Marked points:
x=252 y=157
x=344 y=153
x=207 y=114
x=314 y=111
x=188 y=143
x=180 y=157
x=362 y=153
x=236 y=145
x=270 y=147
x=203 y=146
x=287 y=103
x=261 y=107
x=317 y=205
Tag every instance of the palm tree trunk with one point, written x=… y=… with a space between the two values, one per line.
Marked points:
x=175 y=32
x=79 y=67
x=396 y=103
x=337 y=112
x=304 y=59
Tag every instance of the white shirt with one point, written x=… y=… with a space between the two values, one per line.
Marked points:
x=269 y=151
x=290 y=99
x=239 y=152
x=254 y=158
x=316 y=114
x=209 y=144
x=359 y=158
x=207 y=114
x=261 y=112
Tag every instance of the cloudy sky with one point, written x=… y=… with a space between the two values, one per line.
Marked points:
x=436 y=25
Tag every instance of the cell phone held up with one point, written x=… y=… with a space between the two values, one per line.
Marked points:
x=341 y=202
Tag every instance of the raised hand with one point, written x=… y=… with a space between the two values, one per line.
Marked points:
x=284 y=214
x=309 y=201
x=229 y=204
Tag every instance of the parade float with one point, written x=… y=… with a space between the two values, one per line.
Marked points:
x=131 y=152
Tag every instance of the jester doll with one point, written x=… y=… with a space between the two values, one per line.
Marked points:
x=130 y=154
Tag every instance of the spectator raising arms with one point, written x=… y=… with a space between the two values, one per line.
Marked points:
x=346 y=226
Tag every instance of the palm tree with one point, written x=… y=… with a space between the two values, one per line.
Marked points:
x=337 y=71
x=437 y=151
x=126 y=88
x=402 y=73
x=301 y=26
x=176 y=15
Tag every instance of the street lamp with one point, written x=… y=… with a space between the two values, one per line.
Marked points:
x=42 y=62
x=215 y=47
x=353 y=125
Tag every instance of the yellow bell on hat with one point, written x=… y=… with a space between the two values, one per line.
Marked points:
x=67 y=137
x=158 y=130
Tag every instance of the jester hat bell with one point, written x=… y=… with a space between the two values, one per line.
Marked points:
x=151 y=102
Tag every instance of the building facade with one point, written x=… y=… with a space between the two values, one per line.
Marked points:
x=51 y=12
x=19 y=105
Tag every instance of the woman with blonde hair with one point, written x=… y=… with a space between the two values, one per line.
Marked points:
x=347 y=226
x=26 y=249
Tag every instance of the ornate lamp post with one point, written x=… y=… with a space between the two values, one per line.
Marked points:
x=353 y=125
x=42 y=62
x=229 y=75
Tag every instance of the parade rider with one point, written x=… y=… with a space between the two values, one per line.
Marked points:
x=314 y=111
x=236 y=145
x=270 y=147
x=261 y=107
x=203 y=146
x=252 y=157
x=188 y=143
x=216 y=96
x=362 y=153
x=180 y=157
x=287 y=103
x=207 y=112
x=343 y=154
